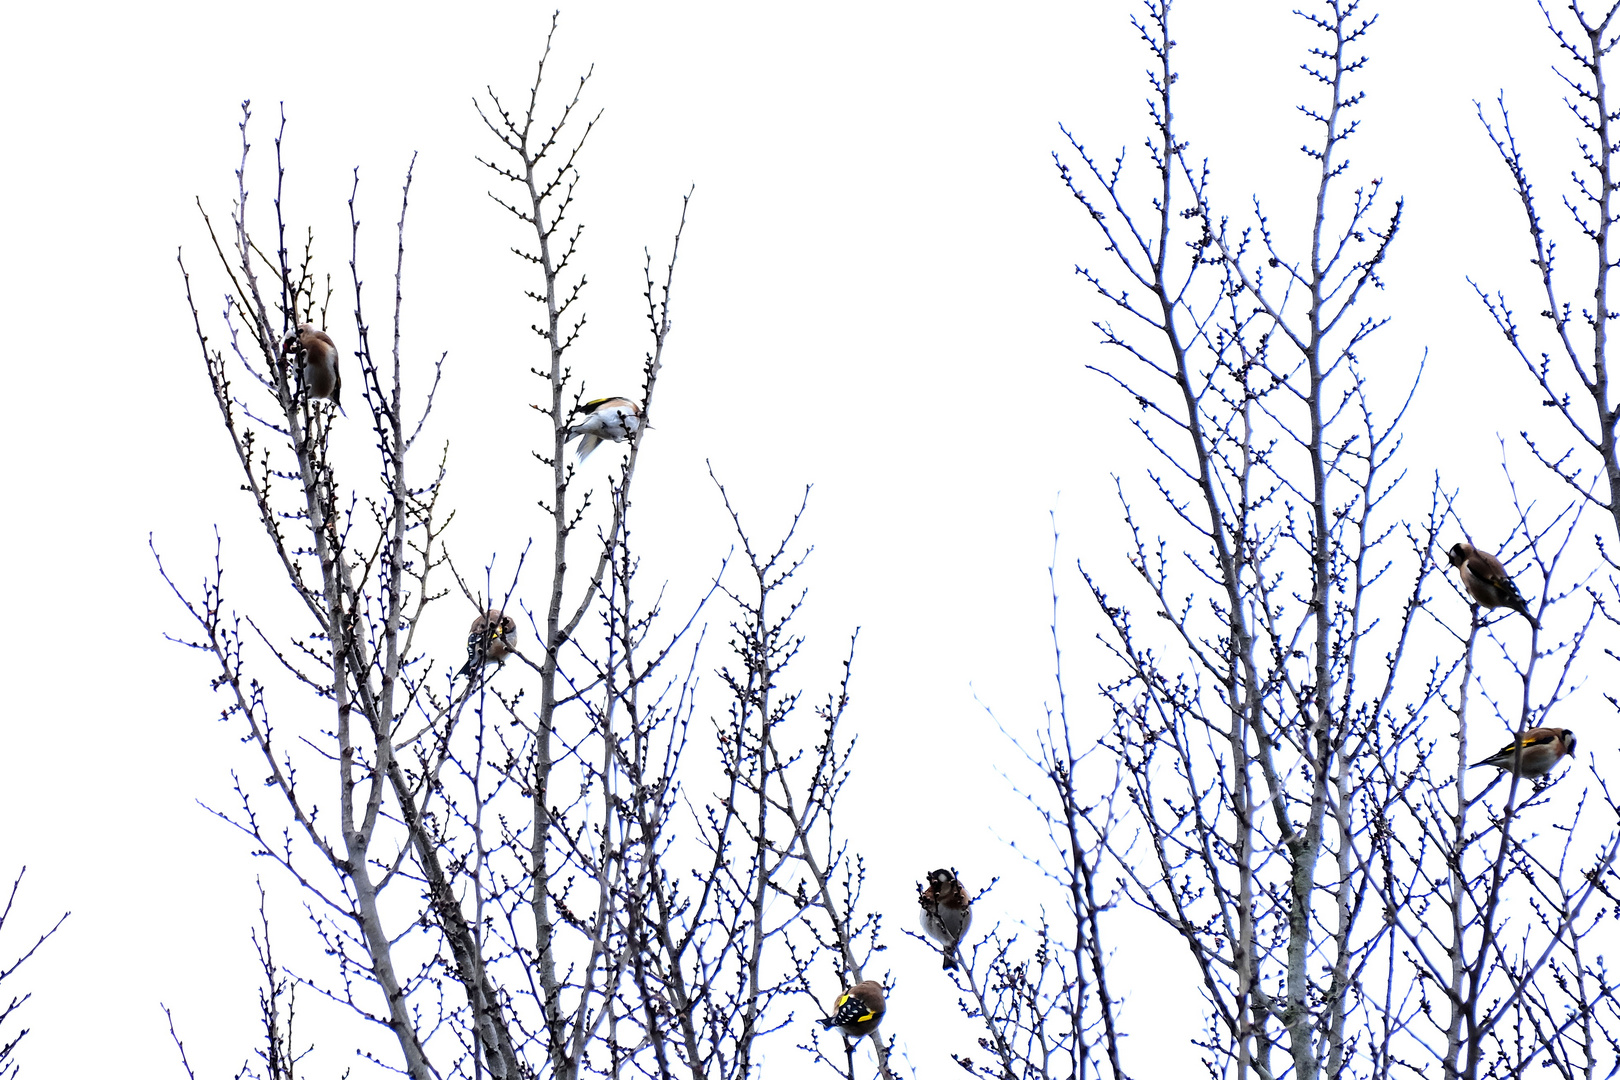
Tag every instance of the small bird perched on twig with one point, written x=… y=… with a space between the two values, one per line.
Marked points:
x=613 y=418
x=1539 y=749
x=1487 y=581
x=858 y=1010
x=945 y=913
x=319 y=355
x=490 y=639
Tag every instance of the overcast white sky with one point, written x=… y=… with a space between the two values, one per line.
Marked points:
x=875 y=295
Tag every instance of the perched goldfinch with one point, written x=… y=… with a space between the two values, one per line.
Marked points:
x=945 y=913
x=1543 y=747
x=490 y=639
x=613 y=418
x=858 y=1010
x=319 y=355
x=1486 y=580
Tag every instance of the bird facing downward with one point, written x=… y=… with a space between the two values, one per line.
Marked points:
x=1487 y=581
x=319 y=355
x=613 y=418
x=490 y=639
x=945 y=913
x=1542 y=748
x=858 y=1010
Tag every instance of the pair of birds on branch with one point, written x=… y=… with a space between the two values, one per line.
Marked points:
x=611 y=419
x=946 y=915
x=1538 y=749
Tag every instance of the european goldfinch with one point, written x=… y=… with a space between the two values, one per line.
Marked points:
x=945 y=913
x=1543 y=747
x=858 y=1010
x=319 y=355
x=1487 y=581
x=614 y=418
x=490 y=639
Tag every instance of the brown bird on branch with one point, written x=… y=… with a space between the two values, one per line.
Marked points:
x=1486 y=580
x=858 y=1010
x=319 y=355
x=945 y=913
x=1539 y=749
x=490 y=639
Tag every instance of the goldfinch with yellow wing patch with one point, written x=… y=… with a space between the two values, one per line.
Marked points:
x=610 y=418
x=1539 y=749
x=490 y=639
x=858 y=1010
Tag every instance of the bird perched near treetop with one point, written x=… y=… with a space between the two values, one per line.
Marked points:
x=1487 y=581
x=1539 y=749
x=612 y=418
x=490 y=638
x=319 y=355
x=858 y=1010
x=945 y=913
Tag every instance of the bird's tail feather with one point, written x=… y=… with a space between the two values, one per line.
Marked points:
x=586 y=445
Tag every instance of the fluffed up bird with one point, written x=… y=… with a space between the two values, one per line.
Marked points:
x=945 y=913
x=1542 y=748
x=1487 y=581
x=490 y=639
x=613 y=418
x=319 y=355
x=858 y=1010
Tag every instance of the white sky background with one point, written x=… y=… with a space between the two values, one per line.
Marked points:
x=875 y=295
